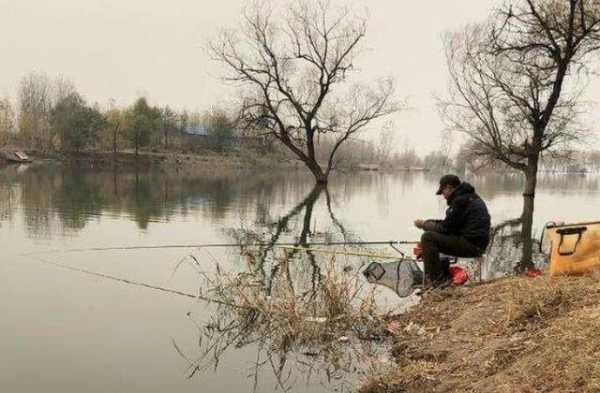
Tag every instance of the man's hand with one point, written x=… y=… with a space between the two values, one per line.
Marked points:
x=419 y=223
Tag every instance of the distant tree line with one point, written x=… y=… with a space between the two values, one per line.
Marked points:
x=51 y=115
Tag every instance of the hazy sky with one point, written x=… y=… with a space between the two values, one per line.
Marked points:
x=121 y=49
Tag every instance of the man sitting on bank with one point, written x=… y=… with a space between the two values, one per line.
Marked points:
x=465 y=232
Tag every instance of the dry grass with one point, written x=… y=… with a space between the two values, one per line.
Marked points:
x=511 y=335
x=281 y=313
x=289 y=315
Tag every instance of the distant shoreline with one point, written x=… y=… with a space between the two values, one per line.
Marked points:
x=194 y=162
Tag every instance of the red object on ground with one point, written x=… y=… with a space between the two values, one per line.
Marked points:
x=458 y=275
x=418 y=251
x=533 y=272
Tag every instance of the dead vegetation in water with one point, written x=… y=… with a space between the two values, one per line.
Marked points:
x=326 y=312
x=337 y=303
x=512 y=335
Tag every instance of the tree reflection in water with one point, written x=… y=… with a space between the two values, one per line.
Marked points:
x=293 y=305
x=54 y=199
x=8 y=195
x=268 y=232
x=58 y=199
x=308 y=315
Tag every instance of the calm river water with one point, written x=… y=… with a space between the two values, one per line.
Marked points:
x=65 y=330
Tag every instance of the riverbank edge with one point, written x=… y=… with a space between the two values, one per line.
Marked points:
x=208 y=161
x=514 y=334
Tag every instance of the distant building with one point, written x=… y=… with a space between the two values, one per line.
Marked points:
x=196 y=130
x=368 y=167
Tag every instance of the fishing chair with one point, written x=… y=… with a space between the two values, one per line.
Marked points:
x=475 y=268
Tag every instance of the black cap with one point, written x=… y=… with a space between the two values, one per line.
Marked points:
x=448 y=180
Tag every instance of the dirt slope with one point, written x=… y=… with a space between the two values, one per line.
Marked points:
x=512 y=335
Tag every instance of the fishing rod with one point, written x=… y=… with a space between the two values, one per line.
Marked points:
x=391 y=243
x=336 y=252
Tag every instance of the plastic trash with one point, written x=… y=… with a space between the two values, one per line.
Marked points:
x=458 y=275
x=533 y=272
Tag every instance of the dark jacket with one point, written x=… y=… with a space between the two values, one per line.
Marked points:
x=466 y=216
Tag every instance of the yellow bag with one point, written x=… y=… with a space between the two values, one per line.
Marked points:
x=573 y=248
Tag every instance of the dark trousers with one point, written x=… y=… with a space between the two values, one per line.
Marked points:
x=433 y=243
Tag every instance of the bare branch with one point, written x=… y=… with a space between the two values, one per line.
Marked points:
x=295 y=65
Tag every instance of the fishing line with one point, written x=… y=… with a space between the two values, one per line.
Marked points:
x=136 y=283
x=219 y=245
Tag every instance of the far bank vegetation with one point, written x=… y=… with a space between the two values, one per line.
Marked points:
x=49 y=117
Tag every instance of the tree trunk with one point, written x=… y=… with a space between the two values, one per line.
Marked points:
x=115 y=184
x=316 y=170
x=310 y=201
x=313 y=165
x=322 y=180
x=527 y=215
x=115 y=131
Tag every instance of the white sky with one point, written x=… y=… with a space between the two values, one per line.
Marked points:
x=121 y=49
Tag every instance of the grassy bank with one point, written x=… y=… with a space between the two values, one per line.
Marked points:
x=512 y=335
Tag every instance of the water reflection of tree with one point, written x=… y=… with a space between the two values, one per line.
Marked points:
x=57 y=198
x=8 y=197
x=295 y=330
x=491 y=186
x=494 y=185
x=37 y=201
x=294 y=226
x=335 y=365
x=301 y=279
x=77 y=199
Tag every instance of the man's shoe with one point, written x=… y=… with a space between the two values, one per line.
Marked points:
x=443 y=283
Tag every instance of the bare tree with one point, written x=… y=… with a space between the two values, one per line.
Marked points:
x=168 y=123
x=38 y=94
x=35 y=103
x=516 y=83
x=7 y=120
x=115 y=124
x=386 y=143
x=62 y=88
x=295 y=68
